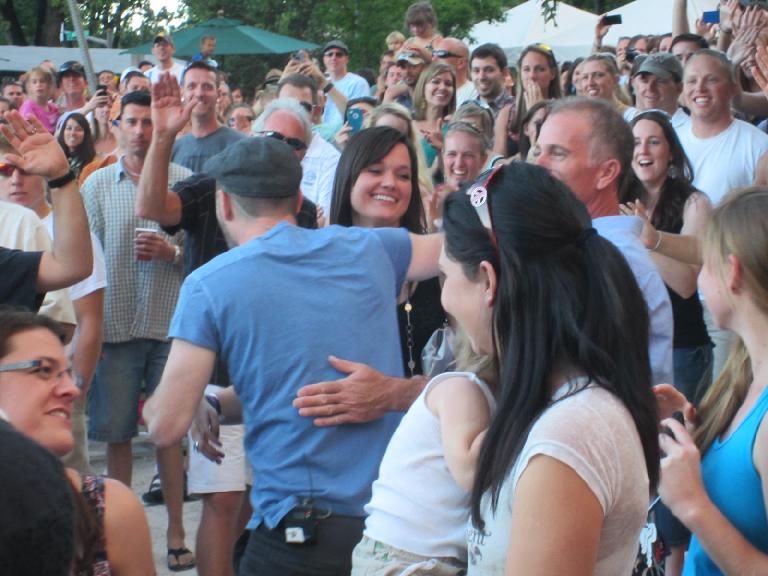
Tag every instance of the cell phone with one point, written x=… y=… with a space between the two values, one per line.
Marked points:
x=761 y=3
x=710 y=17
x=611 y=20
x=101 y=90
x=677 y=416
x=298 y=56
x=355 y=120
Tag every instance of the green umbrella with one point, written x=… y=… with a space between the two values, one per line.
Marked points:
x=232 y=37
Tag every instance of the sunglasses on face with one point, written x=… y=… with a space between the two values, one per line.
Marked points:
x=294 y=143
x=444 y=54
x=307 y=106
x=7 y=170
x=335 y=54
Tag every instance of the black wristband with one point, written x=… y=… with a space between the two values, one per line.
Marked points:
x=63 y=181
x=213 y=400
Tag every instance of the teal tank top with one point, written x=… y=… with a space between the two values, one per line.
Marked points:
x=733 y=484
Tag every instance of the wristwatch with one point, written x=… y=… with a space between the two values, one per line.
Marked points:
x=213 y=400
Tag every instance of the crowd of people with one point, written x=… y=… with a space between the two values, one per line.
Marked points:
x=457 y=316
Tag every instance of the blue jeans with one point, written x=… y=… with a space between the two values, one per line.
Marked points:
x=693 y=374
x=693 y=371
x=113 y=402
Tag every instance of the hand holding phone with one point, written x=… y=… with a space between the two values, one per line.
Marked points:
x=355 y=120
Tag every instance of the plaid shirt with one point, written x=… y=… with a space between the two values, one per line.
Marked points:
x=495 y=105
x=141 y=296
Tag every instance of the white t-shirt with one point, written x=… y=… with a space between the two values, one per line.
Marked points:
x=154 y=73
x=678 y=119
x=20 y=228
x=98 y=278
x=726 y=161
x=416 y=505
x=592 y=432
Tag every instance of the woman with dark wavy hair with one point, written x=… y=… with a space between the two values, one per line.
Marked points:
x=377 y=185
x=77 y=142
x=671 y=205
x=565 y=472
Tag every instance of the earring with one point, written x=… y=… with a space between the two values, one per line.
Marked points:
x=672 y=171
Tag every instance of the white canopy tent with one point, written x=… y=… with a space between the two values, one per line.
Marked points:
x=524 y=25
x=638 y=17
x=22 y=58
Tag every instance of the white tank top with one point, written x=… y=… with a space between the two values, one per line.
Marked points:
x=416 y=504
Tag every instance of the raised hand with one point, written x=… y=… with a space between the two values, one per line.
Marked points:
x=169 y=113
x=649 y=234
x=760 y=71
x=533 y=94
x=38 y=152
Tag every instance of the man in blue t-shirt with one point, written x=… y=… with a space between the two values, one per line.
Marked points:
x=252 y=306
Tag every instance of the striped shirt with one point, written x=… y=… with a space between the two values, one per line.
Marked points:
x=141 y=296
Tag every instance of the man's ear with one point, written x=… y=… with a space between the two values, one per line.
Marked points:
x=609 y=173
x=225 y=205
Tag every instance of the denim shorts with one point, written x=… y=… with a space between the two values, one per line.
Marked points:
x=124 y=370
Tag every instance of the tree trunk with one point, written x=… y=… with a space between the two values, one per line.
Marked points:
x=47 y=32
x=17 y=36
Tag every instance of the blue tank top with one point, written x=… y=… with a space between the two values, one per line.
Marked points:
x=734 y=486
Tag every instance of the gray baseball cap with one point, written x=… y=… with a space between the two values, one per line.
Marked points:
x=664 y=65
x=256 y=168
x=336 y=44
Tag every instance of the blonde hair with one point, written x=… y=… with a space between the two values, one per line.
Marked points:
x=40 y=71
x=608 y=61
x=737 y=227
x=394 y=37
x=467 y=360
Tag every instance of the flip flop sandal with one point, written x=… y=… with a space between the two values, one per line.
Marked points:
x=176 y=554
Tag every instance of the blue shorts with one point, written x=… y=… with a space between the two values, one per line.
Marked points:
x=123 y=371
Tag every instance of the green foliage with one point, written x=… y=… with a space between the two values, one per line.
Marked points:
x=362 y=24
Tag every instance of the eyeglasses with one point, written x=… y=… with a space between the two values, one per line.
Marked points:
x=330 y=54
x=478 y=197
x=7 y=169
x=294 y=143
x=43 y=369
x=444 y=54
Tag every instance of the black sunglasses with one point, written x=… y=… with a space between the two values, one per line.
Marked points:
x=444 y=54
x=294 y=143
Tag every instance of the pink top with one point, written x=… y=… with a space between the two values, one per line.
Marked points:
x=47 y=115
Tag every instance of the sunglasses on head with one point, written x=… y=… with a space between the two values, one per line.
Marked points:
x=294 y=143
x=478 y=197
